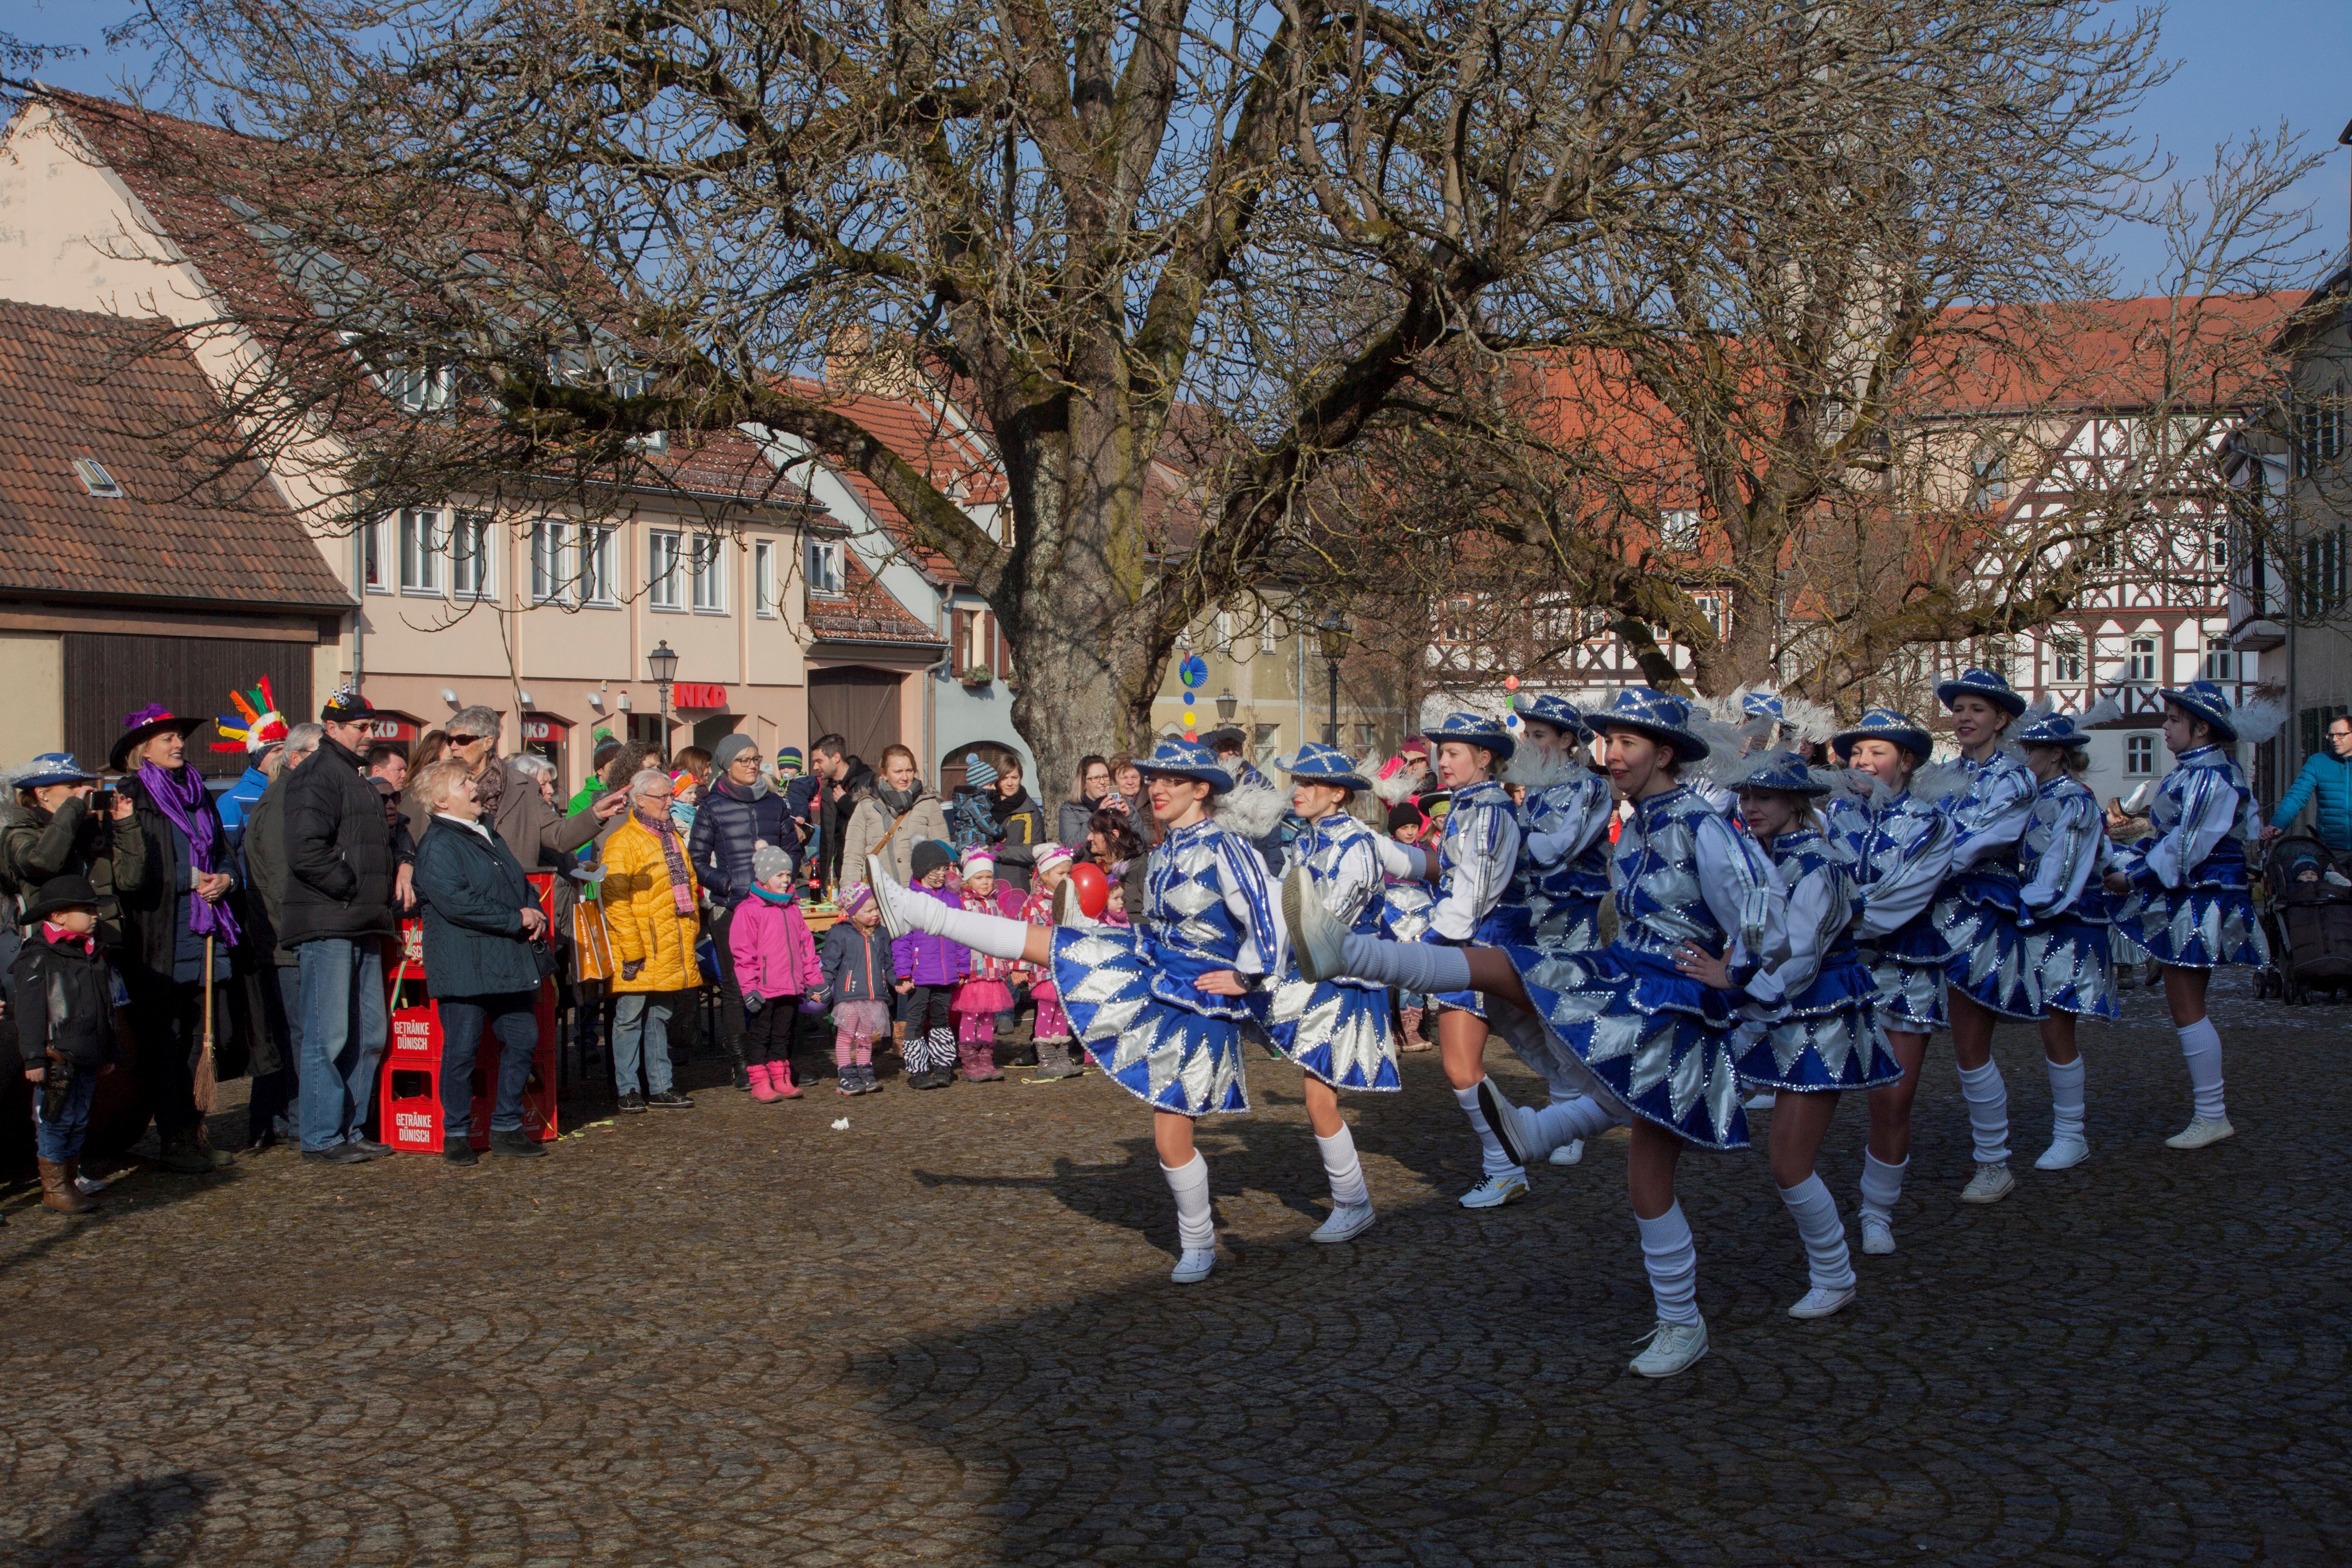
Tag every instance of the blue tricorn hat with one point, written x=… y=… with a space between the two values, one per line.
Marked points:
x=1187 y=759
x=1559 y=712
x=1886 y=724
x=1319 y=764
x=2052 y=729
x=1652 y=712
x=1782 y=770
x=2204 y=699
x=1983 y=684
x=1473 y=729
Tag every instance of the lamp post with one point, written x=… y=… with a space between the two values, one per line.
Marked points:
x=1226 y=703
x=1332 y=635
x=662 y=665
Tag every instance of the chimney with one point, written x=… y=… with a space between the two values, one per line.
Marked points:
x=853 y=364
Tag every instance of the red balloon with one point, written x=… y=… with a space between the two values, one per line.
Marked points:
x=1094 y=889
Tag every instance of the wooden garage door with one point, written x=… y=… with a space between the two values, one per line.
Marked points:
x=107 y=676
x=859 y=704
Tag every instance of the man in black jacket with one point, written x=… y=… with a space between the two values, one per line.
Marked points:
x=336 y=914
x=834 y=778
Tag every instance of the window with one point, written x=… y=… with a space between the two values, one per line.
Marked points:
x=1457 y=627
x=596 y=583
x=419 y=388
x=375 y=564
x=763 y=579
x=1225 y=633
x=2066 y=668
x=823 y=565
x=1265 y=638
x=470 y=557
x=1988 y=480
x=2319 y=429
x=2220 y=660
x=549 y=562
x=1678 y=529
x=710 y=574
x=2141 y=665
x=1710 y=605
x=423 y=538
x=97 y=480
x=2217 y=548
x=2139 y=756
x=2321 y=588
x=661 y=570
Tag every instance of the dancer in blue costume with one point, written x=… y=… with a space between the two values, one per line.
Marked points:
x=1821 y=1039
x=1902 y=848
x=1477 y=853
x=1976 y=914
x=1337 y=1031
x=2065 y=917
x=2185 y=884
x=1162 y=1005
x=1647 y=1040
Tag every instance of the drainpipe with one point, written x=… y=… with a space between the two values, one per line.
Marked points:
x=358 y=608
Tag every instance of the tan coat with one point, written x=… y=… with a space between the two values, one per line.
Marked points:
x=871 y=822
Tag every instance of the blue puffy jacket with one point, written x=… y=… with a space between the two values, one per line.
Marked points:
x=2329 y=777
x=727 y=826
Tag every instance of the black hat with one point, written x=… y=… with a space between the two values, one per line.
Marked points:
x=931 y=855
x=1405 y=814
x=71 y=891
x=151 y=720
x=345 y=706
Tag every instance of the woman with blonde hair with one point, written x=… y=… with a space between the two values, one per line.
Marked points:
x=891 y=815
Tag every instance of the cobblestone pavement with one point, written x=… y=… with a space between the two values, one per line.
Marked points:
x=944 y=1335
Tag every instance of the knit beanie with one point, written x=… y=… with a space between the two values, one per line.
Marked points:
x=978 y=773
x=790 y=756
x=1405 y=814
x=930 y=856
x=768 y=860
x=856 y=899
x=729 y=748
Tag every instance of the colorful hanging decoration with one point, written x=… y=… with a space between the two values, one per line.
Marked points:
x=255 y=725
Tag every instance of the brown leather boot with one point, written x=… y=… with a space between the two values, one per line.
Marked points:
x=59 y=1194
x=73 y=1182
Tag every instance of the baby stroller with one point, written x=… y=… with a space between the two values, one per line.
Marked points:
x=2309 y=919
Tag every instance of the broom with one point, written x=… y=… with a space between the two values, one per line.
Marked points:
x=207 y=1086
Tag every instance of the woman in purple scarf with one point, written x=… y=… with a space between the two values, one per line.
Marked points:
x=167 y=914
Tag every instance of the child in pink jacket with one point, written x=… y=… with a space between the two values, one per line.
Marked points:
x=775 y=962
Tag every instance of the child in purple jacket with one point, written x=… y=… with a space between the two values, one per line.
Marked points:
x=928 y=970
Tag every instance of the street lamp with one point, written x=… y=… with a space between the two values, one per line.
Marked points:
x=1226 y=703
x=662 y=665
x=1332 y=635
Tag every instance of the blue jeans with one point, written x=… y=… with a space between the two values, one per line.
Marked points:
x=641 y=1026
x=513 y=1018
x=342 y=1029
x=60 y=1141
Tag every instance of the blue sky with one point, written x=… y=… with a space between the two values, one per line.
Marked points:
x=2244 y=65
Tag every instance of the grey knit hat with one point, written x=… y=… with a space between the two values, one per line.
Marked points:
x=768 y=860
x=729 y=748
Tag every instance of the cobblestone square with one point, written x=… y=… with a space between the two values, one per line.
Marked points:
x=944 y=1335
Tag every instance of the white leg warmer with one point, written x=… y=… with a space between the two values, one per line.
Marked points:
x=1816 y=1214
x=1566 y=1120
x=1493 y=1159
x=1195 y=1230
x=2066 y=1099
x=1881 y=1184
x=994 y=934
x=1672 y=1260
x=1410 y=966
x=2200 y=1047
x=1340 y=1164
x=1988 y=1101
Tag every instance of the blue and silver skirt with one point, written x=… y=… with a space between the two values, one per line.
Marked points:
x=1827 y=1040
x=1337 y=1031
x=2194 y=928
x=1503 y=927
x=1976 y=918
x=2072 y=970
x=1657 y=1042
x=1159 y=1049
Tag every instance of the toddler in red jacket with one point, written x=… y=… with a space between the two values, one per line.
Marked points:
x=775 y=962
x=983 y=993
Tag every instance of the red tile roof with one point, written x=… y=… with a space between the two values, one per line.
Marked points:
x=866 y=612
x=187 y=527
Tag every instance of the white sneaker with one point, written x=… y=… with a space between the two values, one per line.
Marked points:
x=1509 y=1124
x=886 y=894
x=1671 y=1348
x=1493 y=1192
x=1878 y=1236
x=1194 y=1266
x=1347 y=1221
x=1569 y=1153
x=2065 y=1150
x=1761 y=1102
x=1989 y=1184
x=2199 y=1132
x=1314 y=936
x=1821 y=1301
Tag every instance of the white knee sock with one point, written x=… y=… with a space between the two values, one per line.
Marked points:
x=2066 y=1099
x=1564 y=1122
x=2200 y=1047
x=1195 y=1230
x=1672 y=1262
x=1816 y=1214
x=1346 y=1171
x=1988 y=1111
x=1493 y=1158
x=1881 y=1184
x=1410 y=966
x=994 y=934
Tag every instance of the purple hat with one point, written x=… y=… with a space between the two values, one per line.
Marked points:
x=856 y=899
x=151 y=720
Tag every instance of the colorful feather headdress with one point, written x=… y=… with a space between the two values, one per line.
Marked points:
x=255 y=725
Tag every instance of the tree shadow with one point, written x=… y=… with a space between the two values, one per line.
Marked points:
x=147 y=1522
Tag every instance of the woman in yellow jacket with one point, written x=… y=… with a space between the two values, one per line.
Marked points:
x=650 y=902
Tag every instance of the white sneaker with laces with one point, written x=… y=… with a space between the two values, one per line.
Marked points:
x=1347 y=1221
x=2199 y=1132
x=1878 y=1236
x=1989 y=1184
x=1671 y=1347
x=1821 y=1301
x=1763 y=1100
x=1569 y=1153
x=1314 y=936
x=1493 y=1192
x=2066 y=1151
x=1194 y=1266
x=886 y=894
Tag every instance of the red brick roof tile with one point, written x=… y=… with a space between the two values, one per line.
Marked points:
x=865 y=612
